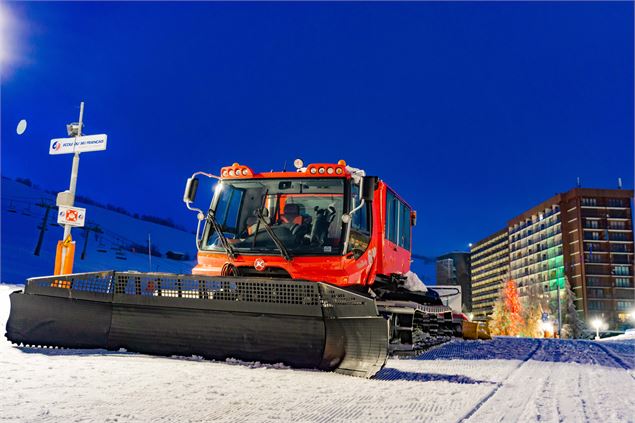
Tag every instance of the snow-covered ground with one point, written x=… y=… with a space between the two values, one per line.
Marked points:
x=506 y=379
x=21 y=218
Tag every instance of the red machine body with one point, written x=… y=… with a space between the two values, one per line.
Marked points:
x=272 y=250
x=387 y=253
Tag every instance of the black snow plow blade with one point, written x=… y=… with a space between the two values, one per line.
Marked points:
x=298 y=323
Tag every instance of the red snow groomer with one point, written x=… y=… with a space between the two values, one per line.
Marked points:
x=310 y=268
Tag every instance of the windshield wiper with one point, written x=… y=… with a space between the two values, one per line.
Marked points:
x=283 y=250
x=231 y=253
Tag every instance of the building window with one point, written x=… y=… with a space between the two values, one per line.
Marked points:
x=620 y=224
x=589 y=202
x=616 y=202
x=624 y=305
x=597 y=293
x=619 y=248
x=618 y=236
x=595 y=305
x=622 y=282
x=621 y=270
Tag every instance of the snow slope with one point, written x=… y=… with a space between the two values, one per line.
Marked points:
x=506 y=379
x=21 y=218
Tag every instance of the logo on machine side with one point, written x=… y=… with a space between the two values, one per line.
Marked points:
x=259 y=264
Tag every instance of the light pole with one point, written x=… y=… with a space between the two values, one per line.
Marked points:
x=68 y=215
x=75 y=131
x=559 y=314
x=596 y=323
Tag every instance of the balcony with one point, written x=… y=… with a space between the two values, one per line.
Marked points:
x=621 y=259
x=604 y=213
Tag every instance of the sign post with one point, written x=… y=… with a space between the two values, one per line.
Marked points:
x=70 y=216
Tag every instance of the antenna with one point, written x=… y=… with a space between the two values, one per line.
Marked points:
x=150 y=251
x=619 y=183
x=284 y=168
x=579 y=183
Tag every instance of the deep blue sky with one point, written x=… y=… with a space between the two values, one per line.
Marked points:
x=473 y=112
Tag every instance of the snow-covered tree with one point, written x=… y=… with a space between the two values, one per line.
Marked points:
x=506 y=317
x=532 y=312
x=499 y=320
x=572 y=324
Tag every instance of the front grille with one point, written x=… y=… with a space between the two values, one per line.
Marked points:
x=268 y=272
x=219 y=288
x=99 y=282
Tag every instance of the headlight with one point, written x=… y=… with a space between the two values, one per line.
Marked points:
x=321 y=171
x=245 y=172
x=330 y=170
x=313 y=170
x=231 y=172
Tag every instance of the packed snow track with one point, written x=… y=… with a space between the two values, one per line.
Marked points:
x=506 y=379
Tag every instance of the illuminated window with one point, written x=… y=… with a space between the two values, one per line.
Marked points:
x=622 y=282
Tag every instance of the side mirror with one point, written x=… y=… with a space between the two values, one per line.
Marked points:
x=369 y=187
x=413 y=218
x=190 y=190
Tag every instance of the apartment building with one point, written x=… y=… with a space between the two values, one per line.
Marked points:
x=454 y=269
x=584 y=236
x=489 y=270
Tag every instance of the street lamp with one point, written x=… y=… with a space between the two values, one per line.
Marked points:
x=596 y=323
x=547 y=329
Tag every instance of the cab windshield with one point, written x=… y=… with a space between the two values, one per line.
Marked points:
x=305 y=215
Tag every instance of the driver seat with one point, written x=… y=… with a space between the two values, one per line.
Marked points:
x=292 y=214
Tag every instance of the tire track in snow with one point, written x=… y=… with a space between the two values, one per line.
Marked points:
x=615 y=358
x=594 y=401
x=500 y=384
x=561 y=381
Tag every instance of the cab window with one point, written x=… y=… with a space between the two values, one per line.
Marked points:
x=397 y=228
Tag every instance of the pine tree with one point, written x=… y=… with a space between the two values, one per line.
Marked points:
x=532 y=313
x=499 y=320
x=572 y=324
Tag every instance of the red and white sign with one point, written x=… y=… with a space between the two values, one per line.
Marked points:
x=259 y=264
x=73 y=216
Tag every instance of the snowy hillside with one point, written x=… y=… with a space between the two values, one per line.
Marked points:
x=507 y=379
x=113 y=248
